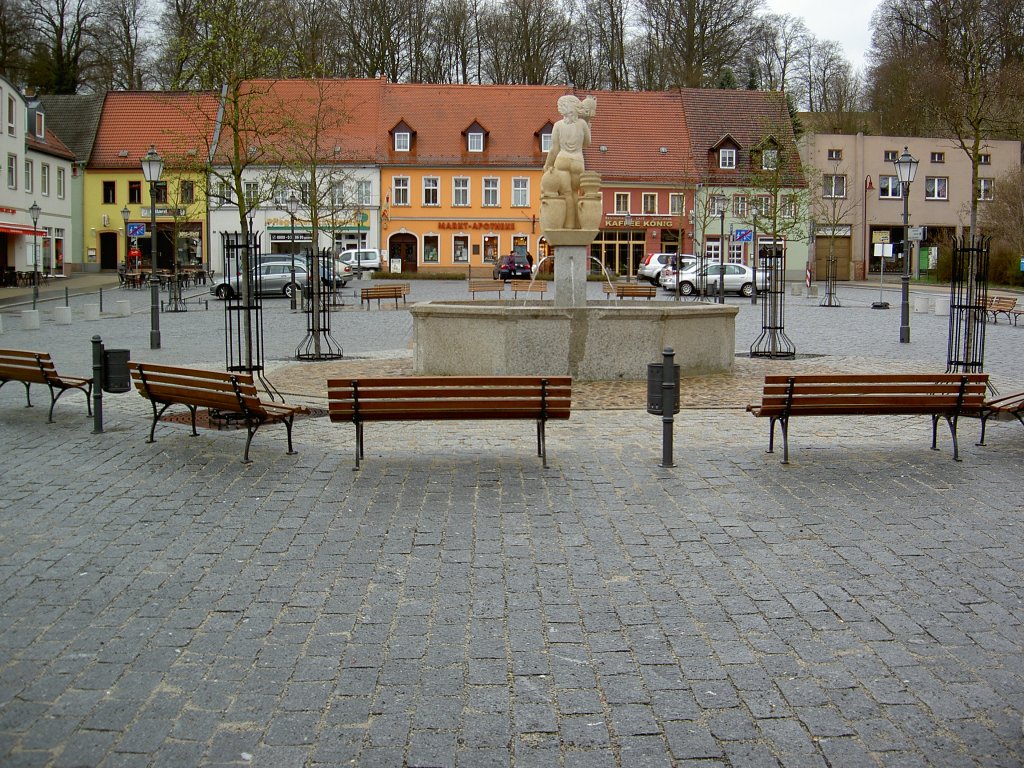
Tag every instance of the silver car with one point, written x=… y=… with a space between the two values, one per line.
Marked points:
x=654 y=263
x=273 y=279
x=739 y=278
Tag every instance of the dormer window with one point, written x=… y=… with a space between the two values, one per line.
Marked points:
x=727 y=158
x=475 y=141
x=402 y=141
x=770 y=160
x=40 y=125
x=545 y=142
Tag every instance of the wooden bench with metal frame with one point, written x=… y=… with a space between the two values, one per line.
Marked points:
x=630 y=290
x=1000 y=305
x=31 y=367
x=485 y=286
x=394 y=291
x=450 y=398
x=939 y=395
x=527 y=286
x=222 y=393
x=1003 y=408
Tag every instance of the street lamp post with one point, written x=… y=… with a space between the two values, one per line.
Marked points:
x=906 y=170
x=152 y=168
x=723 y=249
x=34 y=211
x=754 y=260
x=292 y=206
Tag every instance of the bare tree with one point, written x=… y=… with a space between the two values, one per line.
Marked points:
x=778 y=42
x=123 y=64
x=15 y=39
x=60 y=61
x=1002 y=217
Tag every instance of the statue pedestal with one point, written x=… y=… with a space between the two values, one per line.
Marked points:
x=572 y=257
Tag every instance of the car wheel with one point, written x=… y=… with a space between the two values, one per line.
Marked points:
x=686 y=289
x=224 y=292
x=747 y=290
x=342 y=283
x=656 y=280
x=289 y=289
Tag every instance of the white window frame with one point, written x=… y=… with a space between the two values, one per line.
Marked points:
x=364 y=192
x=727 y=158
x=30 y=172
x=12 y=112
x=403 y=141
x=985 y=188
x=938 y=157
x=889 y=155
x=252 y=194
x=984 y=159
x=60 y=183
x=520 y=191
x=735 y=253
x=622 y=202
x=491 y=190
x=545 y=142
x=649 y=203
x=834 y=185
x=936 y=188
x=12 y=171
x=40 y=125
x=712 y=249
x=400 y=191
x=431 y=191
x=44 y=179
x=835 y=155
x=461 y=196
x=676 y=203
x=740 y=204
x=475 y=141
x=224 y=194
x=892 y=186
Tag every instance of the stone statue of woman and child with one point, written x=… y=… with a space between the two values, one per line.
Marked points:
x=570 y=195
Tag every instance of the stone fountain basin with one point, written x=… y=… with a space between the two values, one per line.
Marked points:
x=602 y=341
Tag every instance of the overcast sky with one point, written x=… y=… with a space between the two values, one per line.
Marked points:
x=848 y=23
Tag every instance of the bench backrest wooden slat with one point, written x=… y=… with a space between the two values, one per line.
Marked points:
x=822 y=394
x=219 y=390
x=385 y=291
x=486 y=285
x=449 y=397
x=529 y=285
x=26 y=365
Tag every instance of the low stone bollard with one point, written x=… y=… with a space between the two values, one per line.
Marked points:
x=942 y=306
x=795 y=289
x=921 y=304
x=92 y=311
x=124 y=308
x=812 y=291
x=62 y=315
x=1 y=323
x=30 y=319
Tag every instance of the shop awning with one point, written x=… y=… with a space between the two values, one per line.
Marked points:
x=20 y=229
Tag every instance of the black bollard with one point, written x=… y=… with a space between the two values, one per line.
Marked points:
x=97 y=385
x=668 y=406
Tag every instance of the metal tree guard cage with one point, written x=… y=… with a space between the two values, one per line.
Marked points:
x=968 y=292
x=830 y=299
x=319 y=344
x=773 y=341
x=243 y=322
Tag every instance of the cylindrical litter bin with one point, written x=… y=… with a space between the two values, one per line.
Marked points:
x=654 y=388
x=116 y=378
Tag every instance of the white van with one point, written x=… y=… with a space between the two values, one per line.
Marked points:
x=362 y=260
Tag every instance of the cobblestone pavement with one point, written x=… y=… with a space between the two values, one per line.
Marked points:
x=455 y=604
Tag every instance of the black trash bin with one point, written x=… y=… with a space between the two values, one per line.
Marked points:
x=116 y=378
x=654 y=389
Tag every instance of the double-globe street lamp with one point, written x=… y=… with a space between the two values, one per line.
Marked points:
x=292 y=206
x=152 y=168
x=34 y=211
x=906 y=170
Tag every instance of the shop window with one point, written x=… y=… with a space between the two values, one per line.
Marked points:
x=430 y=249
x=490 y=249
x=460 y=249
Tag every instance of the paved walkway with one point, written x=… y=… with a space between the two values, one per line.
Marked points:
x=454 y=604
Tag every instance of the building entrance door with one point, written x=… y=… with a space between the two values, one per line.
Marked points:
x=108 y=250
x=403 y=248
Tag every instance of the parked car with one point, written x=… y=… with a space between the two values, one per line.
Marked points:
x=361 y=260
x=334 y=272
x=652 y=265
x=513 y=266
x=273 y=278
x=739 y=278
